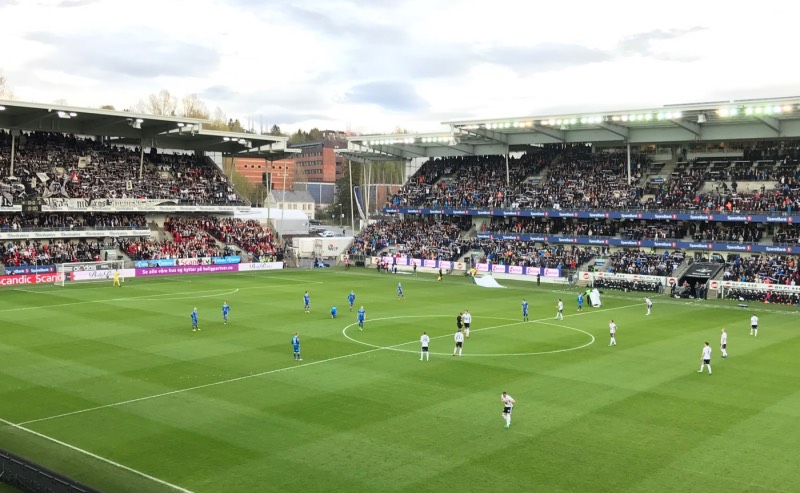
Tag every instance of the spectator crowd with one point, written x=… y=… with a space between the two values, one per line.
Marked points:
x=54 y=165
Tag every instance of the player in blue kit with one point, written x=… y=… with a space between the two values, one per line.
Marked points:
x=400 y=294
x=225 y=310
x=307 y=302
x=333 y=312
x=351 y=298
x=296 y=347
x=580 y=302
x=361 y=315
x=524 y=310
x=195 y=327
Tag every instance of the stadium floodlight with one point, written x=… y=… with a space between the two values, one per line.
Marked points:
x=758 y=110
x=660 y=116
x=676 y=115
x=616 y=118
x=551 y=122
x=573 y=121
x=767 y=110
x=180 y=124
x=624 y=118
x=2 y=108
x=723 y=112
x=748 y=111
x=226 y=139
x=648 y=116
x=787 y=109
x=777 y=109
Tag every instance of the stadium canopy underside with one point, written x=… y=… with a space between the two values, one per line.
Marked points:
x=125 y=128
x=742 y=120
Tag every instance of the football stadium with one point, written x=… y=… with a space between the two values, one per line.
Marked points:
x=122 y=372
x=587 y=301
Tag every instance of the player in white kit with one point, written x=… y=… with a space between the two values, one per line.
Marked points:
x=459 y=338
x=424 y=340
x=754 y=325
x=467 y=319
x=508 y=406
x=723 y=343
x=649 y=304
x=560 y=312
x=706 y=359
x=612 y=330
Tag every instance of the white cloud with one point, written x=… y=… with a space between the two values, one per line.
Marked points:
x=372 y=65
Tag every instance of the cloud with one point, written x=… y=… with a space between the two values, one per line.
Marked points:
x=75 y=3
x=642 y=43
x=389 y=95
x=544 y=57
x=139 y=54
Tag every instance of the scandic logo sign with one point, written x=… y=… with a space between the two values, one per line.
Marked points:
x=29 y=279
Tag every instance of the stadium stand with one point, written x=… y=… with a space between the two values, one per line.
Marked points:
x=415 y=238
x=640 y=262
x=53 y=165
x=773 y=269
x=71 y=221
x=36 y=252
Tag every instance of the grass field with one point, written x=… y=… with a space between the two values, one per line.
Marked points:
x=111 y=387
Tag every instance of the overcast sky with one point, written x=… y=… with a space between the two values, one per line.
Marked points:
x=372 y=65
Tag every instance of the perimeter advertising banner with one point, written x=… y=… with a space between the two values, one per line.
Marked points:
x=29 y=269
x=672 y=216
x=25 y=279
x=666 y=244
x=186 y=269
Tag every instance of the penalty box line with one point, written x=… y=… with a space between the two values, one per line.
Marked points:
x=270 y=372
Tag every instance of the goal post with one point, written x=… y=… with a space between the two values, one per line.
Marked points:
x=72 y=272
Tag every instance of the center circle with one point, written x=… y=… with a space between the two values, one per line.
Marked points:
x=515 y=322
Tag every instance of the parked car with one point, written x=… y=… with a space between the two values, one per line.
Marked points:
x=327 y=234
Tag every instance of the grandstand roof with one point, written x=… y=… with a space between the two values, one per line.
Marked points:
x=165 y=132
x=750 y=119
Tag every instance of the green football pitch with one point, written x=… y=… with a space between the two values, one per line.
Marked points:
x=111 y=387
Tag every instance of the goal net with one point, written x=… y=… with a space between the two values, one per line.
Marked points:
x=72 y=272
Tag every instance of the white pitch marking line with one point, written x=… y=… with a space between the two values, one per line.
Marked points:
x=541 y=321
x=98 y=457
x=196 y=387
x=268 y=372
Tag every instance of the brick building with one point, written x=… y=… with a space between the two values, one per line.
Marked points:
x=318 y=162
x=253 y=170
